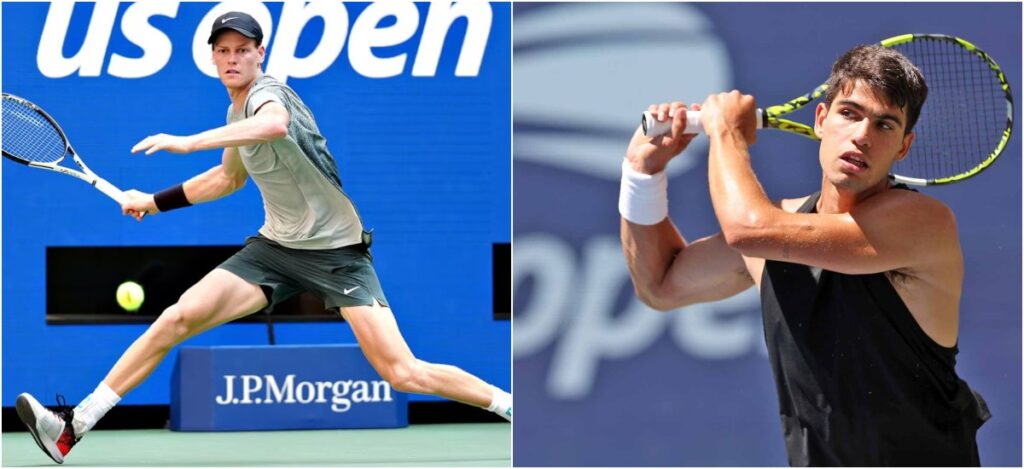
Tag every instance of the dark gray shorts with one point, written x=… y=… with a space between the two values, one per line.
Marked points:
x=341 y=277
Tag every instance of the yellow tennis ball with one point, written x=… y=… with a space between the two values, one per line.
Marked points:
x=130 y=296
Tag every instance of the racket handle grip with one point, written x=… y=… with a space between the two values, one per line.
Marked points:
x=111 y=191
x=652 y=127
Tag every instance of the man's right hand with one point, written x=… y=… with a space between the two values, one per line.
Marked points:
x=651 y=155
x=139 y=204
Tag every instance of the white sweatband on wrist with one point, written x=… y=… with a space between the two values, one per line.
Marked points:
x=643 y=198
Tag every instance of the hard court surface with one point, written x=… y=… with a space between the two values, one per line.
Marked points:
x=447 y=445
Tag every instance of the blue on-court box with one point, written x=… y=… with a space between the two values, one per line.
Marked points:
x=281 y=387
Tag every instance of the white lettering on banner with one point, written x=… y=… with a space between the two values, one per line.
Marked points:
x=439 y=21
x=580 y=304
x=274 y=392
x=282 y=62
x=304 y=392
x=136 y=28
x=229 y=392
x=285 y=64
x=89 y=58
x=366 y=35
x=250 y=384
x=379 y=388
x=344 y=393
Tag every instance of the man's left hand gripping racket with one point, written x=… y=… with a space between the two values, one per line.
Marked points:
x=31 y=137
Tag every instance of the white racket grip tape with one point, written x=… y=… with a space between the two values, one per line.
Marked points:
x=643 y=198
x=111 y=191
x=653 y=127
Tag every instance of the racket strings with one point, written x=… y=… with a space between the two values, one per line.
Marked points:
x=30 y=136
x=964 y=116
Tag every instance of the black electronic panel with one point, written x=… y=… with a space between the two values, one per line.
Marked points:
x=81 y=283
x=501 y=254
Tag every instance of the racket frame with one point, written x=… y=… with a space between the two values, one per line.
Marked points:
x=86 y=174
x=771 y=117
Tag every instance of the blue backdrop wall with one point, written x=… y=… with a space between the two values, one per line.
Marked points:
x=602 y=380
x=413 y=99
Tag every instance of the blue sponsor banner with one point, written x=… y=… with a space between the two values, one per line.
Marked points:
x=227 y=388
x=413 y=98
x=612 y=382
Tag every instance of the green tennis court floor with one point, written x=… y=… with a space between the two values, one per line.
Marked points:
x=447 y=445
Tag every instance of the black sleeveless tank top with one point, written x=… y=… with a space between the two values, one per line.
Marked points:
x=859 y=382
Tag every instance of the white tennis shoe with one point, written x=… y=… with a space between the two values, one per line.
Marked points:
x=51 y=429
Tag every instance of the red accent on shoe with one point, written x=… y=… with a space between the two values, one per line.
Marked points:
x=67 y=439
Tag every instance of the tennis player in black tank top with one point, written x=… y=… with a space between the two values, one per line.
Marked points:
x=860 y=282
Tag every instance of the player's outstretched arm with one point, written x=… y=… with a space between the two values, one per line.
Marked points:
x=217 y=182
x=268 y=124
x=667 y=271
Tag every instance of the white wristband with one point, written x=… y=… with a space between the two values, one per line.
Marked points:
x=643 y=198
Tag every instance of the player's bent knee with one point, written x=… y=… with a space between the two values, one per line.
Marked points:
x=168 y=328
x=177 y=322
x=191 y=312
x=403 y=376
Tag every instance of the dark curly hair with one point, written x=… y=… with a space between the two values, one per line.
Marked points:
x=884 y=70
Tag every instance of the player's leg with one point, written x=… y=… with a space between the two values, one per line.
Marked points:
x=218 y=298
x=385 y=348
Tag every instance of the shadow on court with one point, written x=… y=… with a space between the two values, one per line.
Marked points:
x=448 y=445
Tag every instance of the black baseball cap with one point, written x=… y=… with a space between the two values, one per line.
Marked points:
x=238 y=21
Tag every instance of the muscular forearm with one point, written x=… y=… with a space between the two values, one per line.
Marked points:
x=211 y=185
x=739 y=200
x=649 y=240
x=650 y=251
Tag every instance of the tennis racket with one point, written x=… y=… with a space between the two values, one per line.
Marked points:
x=964 y=125
x=31 y=137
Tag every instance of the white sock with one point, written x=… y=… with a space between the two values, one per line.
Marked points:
x=93 y=408
x=501 y=404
